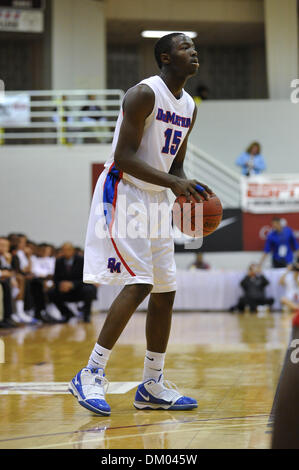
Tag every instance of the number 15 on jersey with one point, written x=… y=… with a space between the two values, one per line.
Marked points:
x=172 y=141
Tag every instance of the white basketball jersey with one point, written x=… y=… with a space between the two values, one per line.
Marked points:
x=164 y=132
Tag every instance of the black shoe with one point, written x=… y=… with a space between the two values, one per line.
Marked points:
x=8 y=324
x=38 y=316
x=45 y=318
x=66 y=319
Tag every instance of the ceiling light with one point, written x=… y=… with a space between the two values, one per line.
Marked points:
x=159 y=34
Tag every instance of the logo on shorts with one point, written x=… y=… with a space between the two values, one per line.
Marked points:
x=113 y=266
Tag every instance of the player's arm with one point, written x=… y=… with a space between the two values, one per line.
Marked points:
x=177 y=168
x=138 y=105
x=264 y=256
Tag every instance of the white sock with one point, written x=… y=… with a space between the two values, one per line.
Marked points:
x=99 y=357
x=153 y=365
x=20 y=306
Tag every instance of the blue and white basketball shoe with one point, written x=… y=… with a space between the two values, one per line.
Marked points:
x=89 y=387
x=161 y=395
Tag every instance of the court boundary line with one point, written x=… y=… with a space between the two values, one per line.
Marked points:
x=129 y=436
x=112 y=428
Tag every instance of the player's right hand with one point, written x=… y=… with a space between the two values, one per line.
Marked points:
x=187 y=188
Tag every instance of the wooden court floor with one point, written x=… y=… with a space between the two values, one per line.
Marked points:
x=230 y=363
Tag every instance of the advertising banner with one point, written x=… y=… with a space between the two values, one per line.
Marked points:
x=15 y=110
x=270 y=194
x=28 y=21
x=227 y=237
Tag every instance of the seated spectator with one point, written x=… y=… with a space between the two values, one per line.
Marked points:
x=15 y=284
x=251 y=161
x=30 y=245
x=69 y=286
x=199 y=263
x=281 y=243
x=43 y=267
x=50 y=252
x=5 y=255
x=93 y=119
x=13 y=238
x=6 y=275
x=22 y=263
x=290 y=280
x=24 y=254
x=253 y=284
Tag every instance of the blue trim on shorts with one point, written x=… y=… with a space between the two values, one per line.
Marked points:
x=113 y=177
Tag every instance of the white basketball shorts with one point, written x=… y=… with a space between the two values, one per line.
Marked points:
x=129 y=237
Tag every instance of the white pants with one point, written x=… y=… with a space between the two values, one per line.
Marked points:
x=122 y=257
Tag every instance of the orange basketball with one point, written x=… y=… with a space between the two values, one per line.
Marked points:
x=197 y=219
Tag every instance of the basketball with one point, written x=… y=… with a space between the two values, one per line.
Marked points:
x=197 y=219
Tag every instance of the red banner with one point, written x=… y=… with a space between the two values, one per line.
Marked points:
x=257 y=226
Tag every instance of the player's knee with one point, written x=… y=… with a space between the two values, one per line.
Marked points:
x=164 y=300
x=145 y=289
x=141 y=290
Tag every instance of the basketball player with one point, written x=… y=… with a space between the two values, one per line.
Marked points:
x=148 y=152
x=286 y=405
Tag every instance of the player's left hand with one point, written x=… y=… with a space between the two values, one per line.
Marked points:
x=187 y=188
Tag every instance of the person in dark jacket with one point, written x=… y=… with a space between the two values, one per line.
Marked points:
x=69 y=286
x=254 y=284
